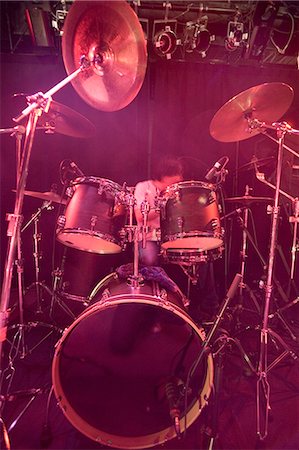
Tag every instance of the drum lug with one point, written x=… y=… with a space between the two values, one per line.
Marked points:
x=105 y=296
x=177 y=196
x=180 y=222
x=61 y=222
x=100 y=189
x=215 y=224
x=93 y=222
x=69 y=191
x=158 y=234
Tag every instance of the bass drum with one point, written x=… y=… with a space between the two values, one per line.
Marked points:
x=120 y=368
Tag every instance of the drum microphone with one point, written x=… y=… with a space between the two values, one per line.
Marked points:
x=217 y=167
x=78 y=172
x=172 y=395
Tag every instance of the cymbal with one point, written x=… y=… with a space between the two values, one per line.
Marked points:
x=47 y=196
x=256 y=162
x=109 y=35
x=249 y=199
x=64 y=120
x=266 y=103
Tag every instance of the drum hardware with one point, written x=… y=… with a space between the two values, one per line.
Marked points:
x=50 y=196
x=64 y=120
x=242 y=117
x=37 y=255
x=136 y=322
x=190 y=222
x=294 y=219
x=94 y=216
x=243 y=219
x=218 y=171
x=145 y=209
x=255 y=162
x=116 y=59
x=209 y=345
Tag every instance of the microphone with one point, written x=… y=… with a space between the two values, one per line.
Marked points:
x=235 y=211
x=172 y=395
x=217 y=167
x=78 y=172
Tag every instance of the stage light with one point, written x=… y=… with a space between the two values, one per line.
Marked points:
x=197 y=37
x=236 y=37
x=165 y=40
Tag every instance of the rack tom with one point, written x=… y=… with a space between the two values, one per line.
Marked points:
x=189 y=217
x=94 y=216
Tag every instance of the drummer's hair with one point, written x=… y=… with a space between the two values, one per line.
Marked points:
x=166 y=165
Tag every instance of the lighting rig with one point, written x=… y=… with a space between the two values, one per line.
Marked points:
x=254 y=31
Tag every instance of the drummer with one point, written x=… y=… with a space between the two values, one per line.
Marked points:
x=166 y=171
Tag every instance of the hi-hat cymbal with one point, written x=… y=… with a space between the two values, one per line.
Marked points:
x=64 y=120
x=109 y=35
x=249 y=199
x=256 y=163
x=265 y=103
x=47 y=196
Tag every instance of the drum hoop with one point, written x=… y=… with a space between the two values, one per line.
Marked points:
x=193 y=233
x=95 y=234
x=184 y=184
x=96 y=181
x=132 y=442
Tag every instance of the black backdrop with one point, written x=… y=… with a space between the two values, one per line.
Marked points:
x=171 y=114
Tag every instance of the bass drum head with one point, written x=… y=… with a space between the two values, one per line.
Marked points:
x=119 y=366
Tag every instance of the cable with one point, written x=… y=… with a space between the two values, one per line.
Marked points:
x=282 y=50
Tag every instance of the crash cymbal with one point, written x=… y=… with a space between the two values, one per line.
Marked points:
x=265 y=103
x=47 y=196
x=64 y=120
x=109 y=35
x=249 y=199
x=256 y=162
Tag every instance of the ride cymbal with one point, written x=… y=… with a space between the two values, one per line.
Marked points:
x=249 y=199
x=109 y=35
x=64 y=120
x=264 y=103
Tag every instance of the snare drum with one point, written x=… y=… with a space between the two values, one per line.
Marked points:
x=189 y=217
x=189 y=257
x=94 y=216
x=115 y=365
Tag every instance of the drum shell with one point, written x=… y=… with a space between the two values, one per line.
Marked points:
x=128 y=408
x=93 y=217
x=190 y=217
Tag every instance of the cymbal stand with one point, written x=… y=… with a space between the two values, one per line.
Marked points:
x=37 y=104
x=294 y=219
x=47 y=205
x=263 y=386
x=223 y=340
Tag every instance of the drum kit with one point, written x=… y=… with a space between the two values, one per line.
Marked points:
x=108 y=377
